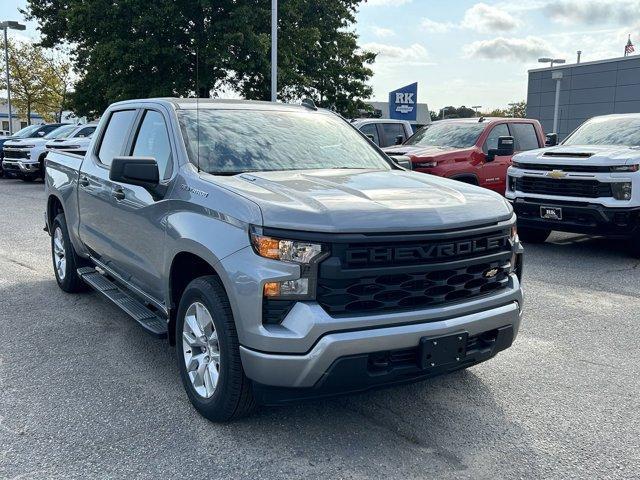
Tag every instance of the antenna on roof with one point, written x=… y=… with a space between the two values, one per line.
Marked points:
x=308 y=103
x=198 y=96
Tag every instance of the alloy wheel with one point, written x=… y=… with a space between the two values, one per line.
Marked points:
x=201 y=349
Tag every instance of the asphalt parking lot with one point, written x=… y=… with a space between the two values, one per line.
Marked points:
x=84 y=392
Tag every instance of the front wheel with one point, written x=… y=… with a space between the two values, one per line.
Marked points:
x=533 y=235
x=208 y=353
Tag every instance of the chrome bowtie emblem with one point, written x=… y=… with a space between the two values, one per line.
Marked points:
x=490 y=273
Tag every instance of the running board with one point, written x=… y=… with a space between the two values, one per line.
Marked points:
x=148 y=320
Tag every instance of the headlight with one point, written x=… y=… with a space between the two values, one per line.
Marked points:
x=306 y=254
x=512 y=182
x=430 y=164
x=624 y=168
x=621 y=190
x=285 y=250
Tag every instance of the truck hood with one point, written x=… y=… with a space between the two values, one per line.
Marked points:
x=24 y=142
x=348 y=201
x=419 y=150
x=581 y=155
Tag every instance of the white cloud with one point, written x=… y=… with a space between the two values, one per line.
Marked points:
x=386 y=3
x=593 y=12
x=383 y=32
x=488 y=19
x=435 y=27
x=513 y=49
x=414 y=54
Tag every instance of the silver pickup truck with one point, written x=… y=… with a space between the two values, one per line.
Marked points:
x=284 y=255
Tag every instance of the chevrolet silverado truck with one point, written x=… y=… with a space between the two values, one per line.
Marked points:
x=469 y=149
x=283 y=254
x=33 y=132
x=589 y=184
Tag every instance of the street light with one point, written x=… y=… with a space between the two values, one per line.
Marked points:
x=476 y=107
x=551 y=60
x=9 y=25
x=557 y=76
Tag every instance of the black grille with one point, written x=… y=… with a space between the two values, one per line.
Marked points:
x=564 y=168
x=16 y=153
x=404 y=275
x=563 y=187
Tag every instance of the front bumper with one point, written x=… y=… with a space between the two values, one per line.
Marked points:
x=21 y=167
x=339 y=361
x=578 y=217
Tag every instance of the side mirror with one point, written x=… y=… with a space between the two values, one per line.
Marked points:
x=399 y=139
x=403 y=161
x=141 y=171
x=551 y=140
x=505 y=149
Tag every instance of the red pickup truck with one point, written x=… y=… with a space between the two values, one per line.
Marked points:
x=460 y=148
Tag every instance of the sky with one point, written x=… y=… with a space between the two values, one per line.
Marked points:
x=464 y=52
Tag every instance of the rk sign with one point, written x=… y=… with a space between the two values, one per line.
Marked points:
x=403 y=103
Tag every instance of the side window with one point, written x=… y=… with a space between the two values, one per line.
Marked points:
x=115 y=135
x=85 y=132
x=153 y=141
x=500 y=130
x=371 y=129
x=525 y=136
x=390 y=131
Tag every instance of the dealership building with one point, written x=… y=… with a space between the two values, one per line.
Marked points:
x=586 y=90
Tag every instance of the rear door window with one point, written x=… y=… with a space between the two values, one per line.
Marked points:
x=525 y=136
x=390 y=131
x=371 y=130
x=115 y=135
x=500 y=130
x=85 y=132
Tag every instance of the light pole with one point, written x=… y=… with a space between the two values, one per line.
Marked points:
x=551 y=60
x=557 y=76
x=274 y=50
x=6 y=26
x=476 y=107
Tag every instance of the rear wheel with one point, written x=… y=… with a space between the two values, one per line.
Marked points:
x=65 y=260
x=208 y=353
x=533 y=235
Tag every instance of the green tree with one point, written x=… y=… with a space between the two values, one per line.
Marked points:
x=141 y=48
x=519 y=110
x=39 y=80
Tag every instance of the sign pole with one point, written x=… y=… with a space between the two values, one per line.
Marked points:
x=274 y=50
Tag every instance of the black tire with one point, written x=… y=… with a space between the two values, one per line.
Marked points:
x=233 y=396
x=533 y=235
x=70 y=281
x=634 y=245
x=28 y=178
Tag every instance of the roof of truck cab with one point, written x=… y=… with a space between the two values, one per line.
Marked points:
x=485 y=120
x=211 y=103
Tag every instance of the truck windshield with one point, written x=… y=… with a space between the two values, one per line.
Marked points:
x=26 y=131
x=447 y=134
x=61 y=132
x=607 y=131
x=236 y=141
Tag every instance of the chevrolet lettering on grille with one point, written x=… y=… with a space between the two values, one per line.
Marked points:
x=361 y=256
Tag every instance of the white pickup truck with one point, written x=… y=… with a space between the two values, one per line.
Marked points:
x=589 y=184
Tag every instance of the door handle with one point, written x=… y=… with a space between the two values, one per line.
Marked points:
x=84 y=182
x=118 y=194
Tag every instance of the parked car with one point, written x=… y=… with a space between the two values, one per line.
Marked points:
x=467 y=149
x=32 y=131
x=589 y=184
x=277 y=279
x=77 y=143
x=384 y=132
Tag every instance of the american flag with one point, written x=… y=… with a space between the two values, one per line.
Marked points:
x=628 y=48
